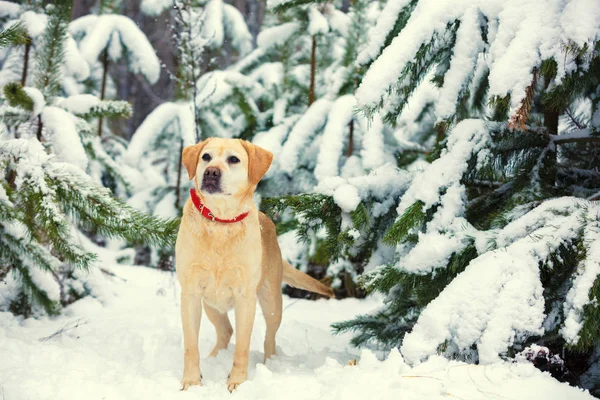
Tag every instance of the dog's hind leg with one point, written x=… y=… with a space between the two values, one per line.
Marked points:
x=222 y=327
x=270 y=303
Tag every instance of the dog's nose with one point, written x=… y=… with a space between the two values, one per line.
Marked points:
x=212 y=172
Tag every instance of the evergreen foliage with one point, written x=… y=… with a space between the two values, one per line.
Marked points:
x=490 y=206
x=14 y=35
x=47 y=196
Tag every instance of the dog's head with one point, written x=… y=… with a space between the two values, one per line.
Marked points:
x=226 y=167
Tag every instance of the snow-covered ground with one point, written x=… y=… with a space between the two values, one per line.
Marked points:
x=127 y=345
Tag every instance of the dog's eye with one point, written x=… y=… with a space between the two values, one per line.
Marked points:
x=233 y=160
x=206 y=157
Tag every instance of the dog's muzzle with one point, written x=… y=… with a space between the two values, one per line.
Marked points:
x=211 y=181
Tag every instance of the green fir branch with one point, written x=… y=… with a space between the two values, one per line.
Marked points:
x=95 y=208
x=287 y=5
x=17 y=97
x=51 y=48
x=109 y=109
x=15 y=35
x=413 y=217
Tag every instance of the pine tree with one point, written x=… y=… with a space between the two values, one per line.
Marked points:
x=109 y=37
x=483 y=242
x=46 y=198
x=222 y=27
x=323 y=138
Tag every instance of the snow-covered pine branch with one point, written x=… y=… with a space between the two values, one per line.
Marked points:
x=120 y=37
x=509 y=48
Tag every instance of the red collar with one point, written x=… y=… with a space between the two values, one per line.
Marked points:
x=208 y=214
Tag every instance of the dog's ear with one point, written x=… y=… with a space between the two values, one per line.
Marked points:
x=259 y=161
x=190 y=157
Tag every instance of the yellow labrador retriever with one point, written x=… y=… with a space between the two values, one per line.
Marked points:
x=227 y=254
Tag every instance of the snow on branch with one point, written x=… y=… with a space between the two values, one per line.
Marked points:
x=521 y=35
x=332 y=145
x=237 y=30
x=498 y=298
x=466 y=139
x=312 y=120
x=110 y=30
x=159 y=119
x=62 y=132
x=383 y=184
x=154 y=8
x=90 y=106
x=276 y=35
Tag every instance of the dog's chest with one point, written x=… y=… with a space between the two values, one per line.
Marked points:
x=220 y=286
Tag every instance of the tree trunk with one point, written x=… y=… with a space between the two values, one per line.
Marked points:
x=178 y=188
x=441 y=132
x=313 y=71
x=350 y=148
x=26 y=62
x=551 y=122
x=39 y=130
x=103 y=88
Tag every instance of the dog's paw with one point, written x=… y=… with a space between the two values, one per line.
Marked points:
x=215 y=351
x=235 y=379
x=232 y=386
x=186 y=382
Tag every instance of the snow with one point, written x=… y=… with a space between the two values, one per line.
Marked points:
x=338 y=20
x=9 y=9
x=346 y=196
x=61 y=131
x=468 y=45
x=74 y=64
x=213 y=23
x=276 y=35
x=78 y=104
x=466 y=138
x=499 y=296
x=99 y=32
x=372 y=152
x=312 y=120
x=237 y=30
x=293 y=250
x=275 y=3
x=154 y=8
x=581 y=20
x=272 y=140
x=317 y=23
x=521 y=33
x=587 y=273
x=34 y=23
x=379 y=33
x=334 y=137
x=217 y=86
x=126 y=343
x=159 y=119
x=165 y=208
x=81 y=25
x=39 y=102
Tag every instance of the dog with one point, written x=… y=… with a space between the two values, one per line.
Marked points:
x=227 y=255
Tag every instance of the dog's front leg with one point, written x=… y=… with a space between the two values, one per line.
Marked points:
x=191 y=312
x=245 y=309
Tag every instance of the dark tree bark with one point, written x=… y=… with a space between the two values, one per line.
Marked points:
x=178 y=188
x=25 y=63
x=82 y=7
x=313 y=71
x=105 y=62
x=350 y=147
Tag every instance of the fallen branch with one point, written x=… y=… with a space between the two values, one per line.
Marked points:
x=67 y=327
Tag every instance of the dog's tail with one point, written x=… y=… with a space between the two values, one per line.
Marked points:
x=300 y=280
